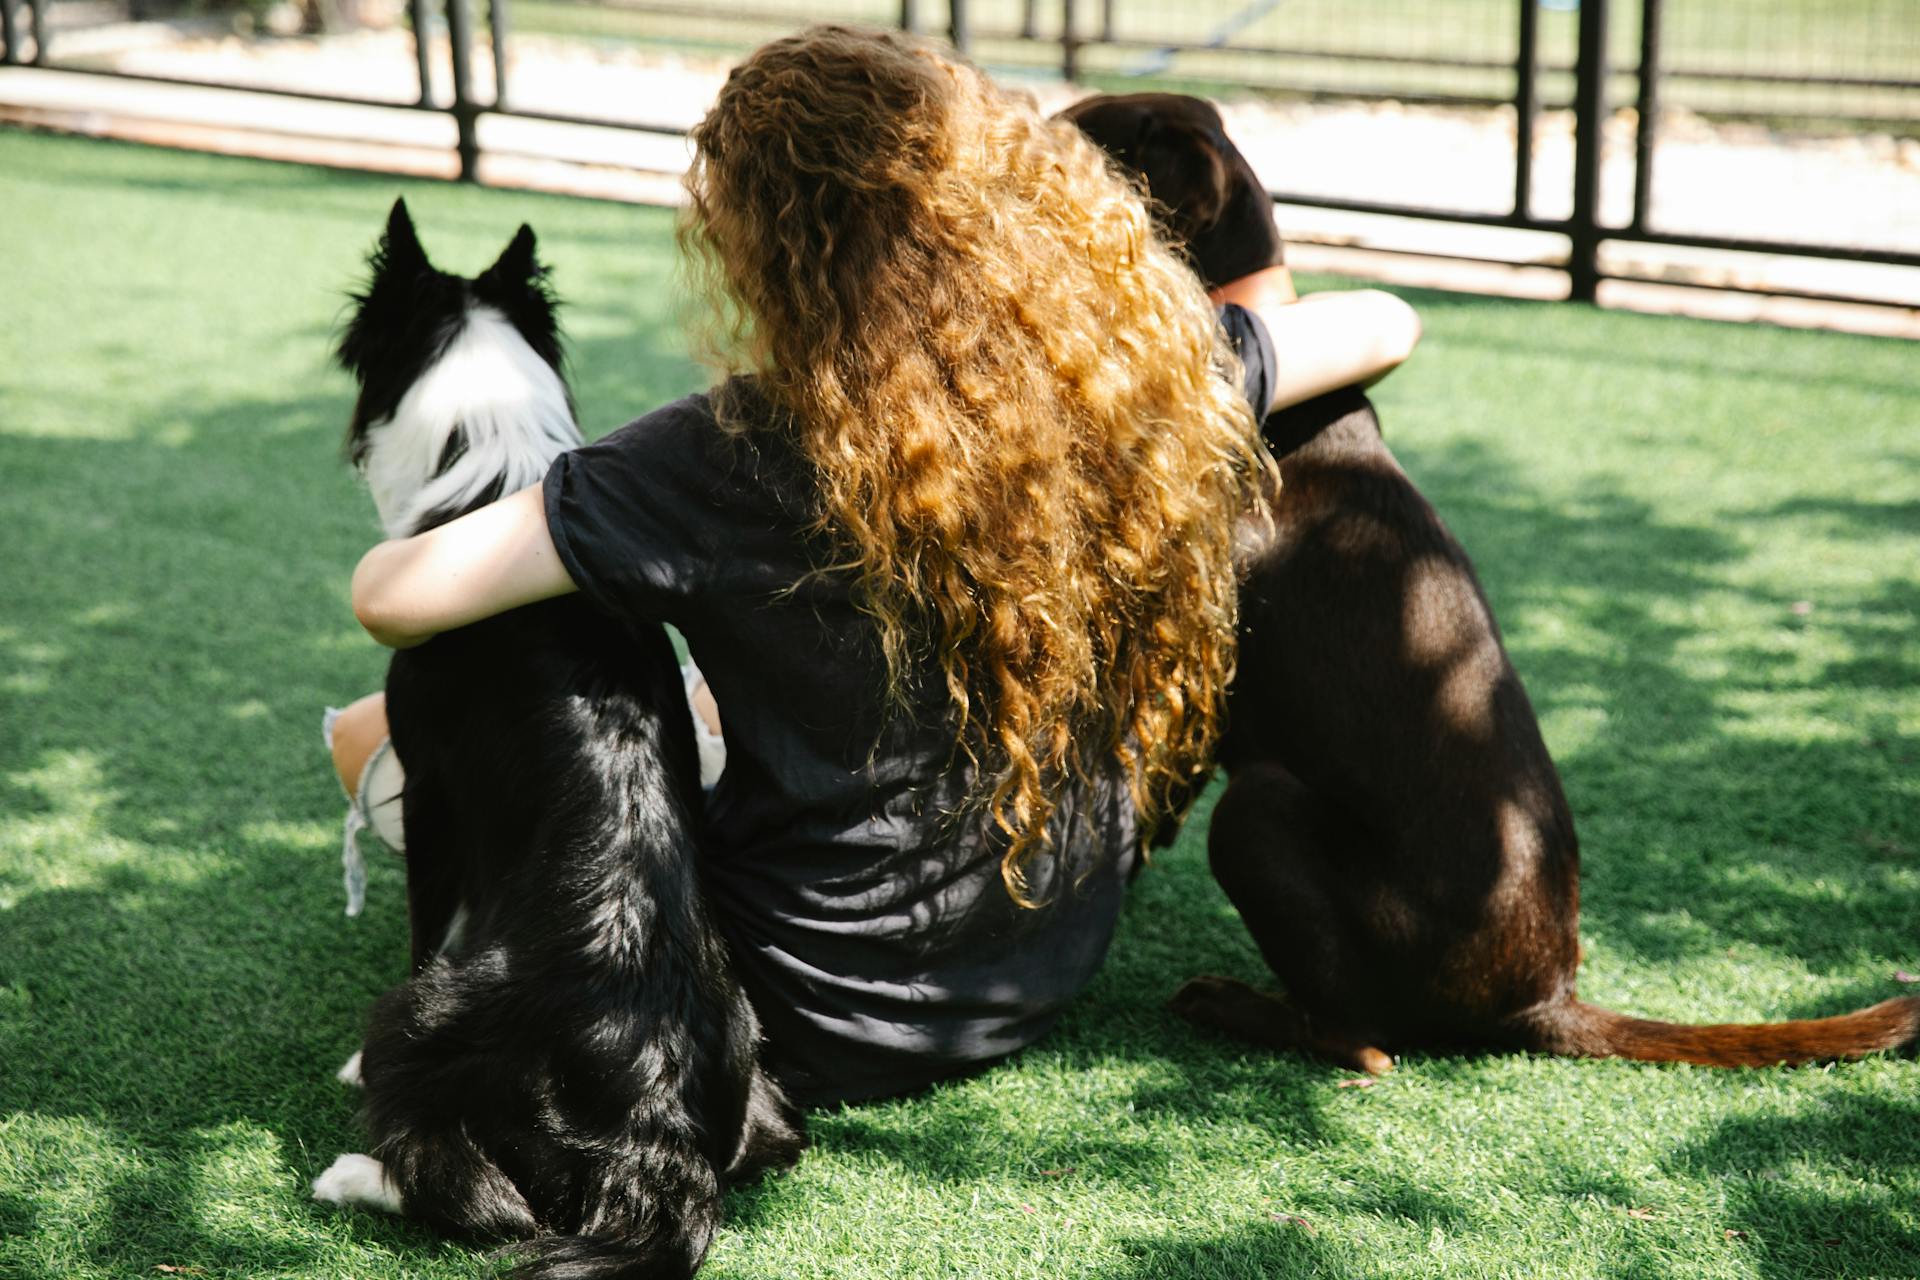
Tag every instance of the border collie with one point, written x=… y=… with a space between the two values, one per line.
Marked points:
x=571 y=1064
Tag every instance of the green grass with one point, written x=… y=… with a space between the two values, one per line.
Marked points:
x=1648 y=499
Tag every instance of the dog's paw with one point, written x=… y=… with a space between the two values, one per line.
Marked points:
x=1375 y=1062
x=349 y=1072
x=357 y=1180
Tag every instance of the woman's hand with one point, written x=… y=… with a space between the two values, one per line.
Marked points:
x=500 y=557
x=1325 y=341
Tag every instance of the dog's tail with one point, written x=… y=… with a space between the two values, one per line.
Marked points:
x=1587 y=1031
x=649 y=1217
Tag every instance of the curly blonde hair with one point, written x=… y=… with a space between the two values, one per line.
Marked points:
x=1021 y=414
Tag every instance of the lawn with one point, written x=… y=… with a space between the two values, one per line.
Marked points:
x=1703 y=542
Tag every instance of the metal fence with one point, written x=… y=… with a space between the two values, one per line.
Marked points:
x=1689 y=124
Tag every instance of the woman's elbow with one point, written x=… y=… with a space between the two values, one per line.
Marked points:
x=377 y=605
x=1396 y=332
x=1400 y=330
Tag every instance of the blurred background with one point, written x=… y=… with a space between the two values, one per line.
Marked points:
x=1759 y=158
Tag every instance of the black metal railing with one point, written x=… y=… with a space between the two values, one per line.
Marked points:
x=1511 y=55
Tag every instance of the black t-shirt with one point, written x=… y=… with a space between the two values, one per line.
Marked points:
x=868 y=923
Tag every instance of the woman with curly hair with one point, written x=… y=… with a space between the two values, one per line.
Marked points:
x=952 y=541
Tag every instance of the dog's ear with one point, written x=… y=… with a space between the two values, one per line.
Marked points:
x=1186 y=172
x=516 y=266
x=399 y=247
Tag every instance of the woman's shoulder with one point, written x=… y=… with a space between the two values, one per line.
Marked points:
x=689 y=415
x=725 y=424
x=721 y=450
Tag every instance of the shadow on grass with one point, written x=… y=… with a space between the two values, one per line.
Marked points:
x=1679 y=803
x=1271 y=1252
x=1811 y=1193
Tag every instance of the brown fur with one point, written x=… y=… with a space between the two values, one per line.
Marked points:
x=1394 y=833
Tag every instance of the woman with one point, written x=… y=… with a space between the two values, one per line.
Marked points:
x=952 y=543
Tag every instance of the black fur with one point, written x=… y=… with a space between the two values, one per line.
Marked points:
x=577 y=1070
x=410 y=313
x=1206 y=195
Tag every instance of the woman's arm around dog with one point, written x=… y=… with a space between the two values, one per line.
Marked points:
x=1325 y=341
x=408 y=590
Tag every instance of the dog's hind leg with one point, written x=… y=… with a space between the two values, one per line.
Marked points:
x=434 y=870
x=1235 y=1009
x=1279 y=855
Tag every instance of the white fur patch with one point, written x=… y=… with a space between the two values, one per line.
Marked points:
x=357 y=1180
x=511 y=405
x=349 y=1072
x=456 y=935
x=710 y=740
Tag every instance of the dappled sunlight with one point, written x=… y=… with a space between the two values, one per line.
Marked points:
x=53 y=828
x=234 y=1183
x=61 y=1170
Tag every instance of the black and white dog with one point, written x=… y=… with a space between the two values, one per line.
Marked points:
x=571 y=1064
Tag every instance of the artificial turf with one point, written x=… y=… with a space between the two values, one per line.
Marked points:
x=1702 y=541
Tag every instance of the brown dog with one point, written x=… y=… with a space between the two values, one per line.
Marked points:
x=1394 y=833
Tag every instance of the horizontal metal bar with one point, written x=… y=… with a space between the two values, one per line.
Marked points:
x=1374 y=93
x=1761 y=291
x=1308 y=238
x=669 y=130
x=1561 y=267
x=717 y=13
x=1297 y=51
x=1781 y=77
x=1800 y=113
x=595 y=122
x=1560 y=226
x=1780 y=248
x=393 y=103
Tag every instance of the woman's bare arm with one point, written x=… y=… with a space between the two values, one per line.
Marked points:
x=500 y=557
x=1325 y=341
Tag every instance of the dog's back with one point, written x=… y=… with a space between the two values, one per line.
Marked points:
x=571 y=1057
x=571 y=1063
x=1372 y=670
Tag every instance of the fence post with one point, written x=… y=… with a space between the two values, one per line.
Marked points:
x=959 y=30
x=422 y=47
x=910 y=16
x=39 y=10
x=1526 y=106
x=1106 y=20
x=1589 y=118
x=1030 y=19
x=10 y=33
x=1069 y=41
x=1648 y=107
x=460 y=35
x=497 y=25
